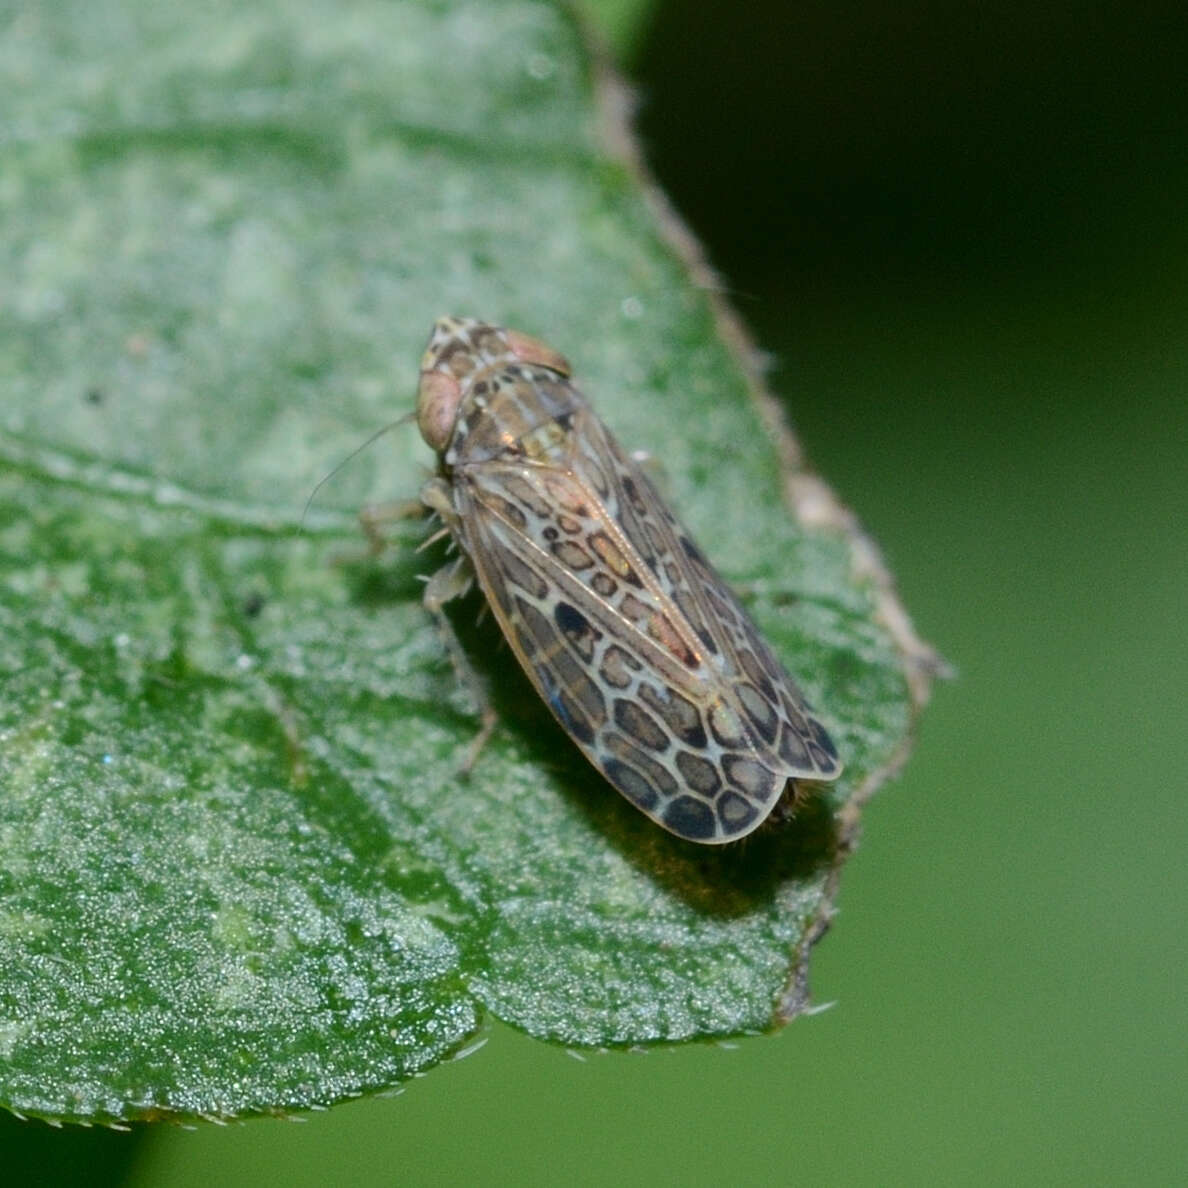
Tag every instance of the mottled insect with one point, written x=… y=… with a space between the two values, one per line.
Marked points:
x=637 y=646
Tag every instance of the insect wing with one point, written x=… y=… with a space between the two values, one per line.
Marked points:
x=776 y=715
x=632 y=640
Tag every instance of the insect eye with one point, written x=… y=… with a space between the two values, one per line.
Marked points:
x=438 y=397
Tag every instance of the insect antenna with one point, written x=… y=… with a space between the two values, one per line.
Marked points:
x=370 y=441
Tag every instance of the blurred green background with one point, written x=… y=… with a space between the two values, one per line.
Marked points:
x=960 y=230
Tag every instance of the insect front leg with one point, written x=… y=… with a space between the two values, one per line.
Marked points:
x=373 y=517
x=452 y=581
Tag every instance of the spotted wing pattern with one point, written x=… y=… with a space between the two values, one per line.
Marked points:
x=634 y=642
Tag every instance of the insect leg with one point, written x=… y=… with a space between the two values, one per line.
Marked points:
x=449 y=582
x=373 y=517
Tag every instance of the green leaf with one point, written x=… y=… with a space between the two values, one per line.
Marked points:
x=622 y=23
x=239 y=870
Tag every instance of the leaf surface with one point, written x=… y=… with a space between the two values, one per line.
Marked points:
x=239 y=870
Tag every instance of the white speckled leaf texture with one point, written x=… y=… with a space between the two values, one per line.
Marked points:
x=239 y=870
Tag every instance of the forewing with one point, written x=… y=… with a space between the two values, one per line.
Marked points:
x=780 y=721
x=633 y=642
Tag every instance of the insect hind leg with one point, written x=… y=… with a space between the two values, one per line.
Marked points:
x=450 y=582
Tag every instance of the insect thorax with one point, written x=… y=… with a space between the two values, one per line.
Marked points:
x=513 y=410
